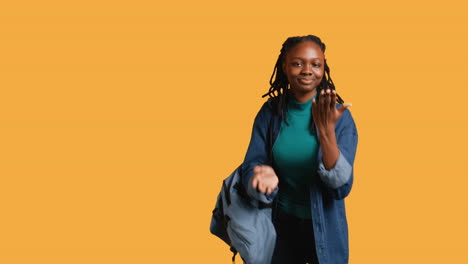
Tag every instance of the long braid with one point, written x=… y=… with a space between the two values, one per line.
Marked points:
x=279 y=87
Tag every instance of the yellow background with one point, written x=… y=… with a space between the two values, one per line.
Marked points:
x=119 y=120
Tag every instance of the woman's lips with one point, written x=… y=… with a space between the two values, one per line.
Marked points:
x=306 y=81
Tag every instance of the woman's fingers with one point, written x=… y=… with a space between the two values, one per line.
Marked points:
x=256 y=177
x=264 y=179
x=315 y=111
x=269 y=190
x=327 y=104
x=323 y=105
x=254 y=182
x=332 y=100
x=261 y=187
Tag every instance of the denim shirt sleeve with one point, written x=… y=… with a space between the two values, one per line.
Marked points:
x=339 y=179
x=257 y=154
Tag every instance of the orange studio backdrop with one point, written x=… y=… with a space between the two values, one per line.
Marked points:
x=119 y=120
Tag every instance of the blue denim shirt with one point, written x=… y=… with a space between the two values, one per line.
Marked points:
x=327 y=192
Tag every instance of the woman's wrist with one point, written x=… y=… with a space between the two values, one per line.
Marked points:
x=327 y=132
x=329 y=147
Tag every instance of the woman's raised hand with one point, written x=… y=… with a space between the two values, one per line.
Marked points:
x=325 y=112
x=264 y=179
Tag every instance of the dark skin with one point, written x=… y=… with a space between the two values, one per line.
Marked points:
x=304 y=66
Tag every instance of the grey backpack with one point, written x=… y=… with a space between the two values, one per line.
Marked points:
x=243 y=223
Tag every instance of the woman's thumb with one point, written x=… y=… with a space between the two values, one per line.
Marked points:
x=344 y=106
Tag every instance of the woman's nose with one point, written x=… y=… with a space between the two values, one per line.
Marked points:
x=307 y=69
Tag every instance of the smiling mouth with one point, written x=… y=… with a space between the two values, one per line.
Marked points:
x=306 y=81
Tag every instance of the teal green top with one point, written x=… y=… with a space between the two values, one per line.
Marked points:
x=295 y=159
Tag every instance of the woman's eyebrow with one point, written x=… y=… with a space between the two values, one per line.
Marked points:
x=314 y=58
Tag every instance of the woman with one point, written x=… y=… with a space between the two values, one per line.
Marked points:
x=301 y=156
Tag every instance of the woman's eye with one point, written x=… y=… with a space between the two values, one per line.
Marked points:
x=296 y=64
x=316 y=65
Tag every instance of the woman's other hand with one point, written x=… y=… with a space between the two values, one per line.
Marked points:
x=325 y=112
x=264 y=179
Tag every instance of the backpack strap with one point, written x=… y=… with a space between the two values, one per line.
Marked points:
x=234 y=252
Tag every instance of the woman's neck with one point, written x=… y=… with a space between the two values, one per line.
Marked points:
x=302 y=97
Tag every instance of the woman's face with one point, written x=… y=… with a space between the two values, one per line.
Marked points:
x=304 y=67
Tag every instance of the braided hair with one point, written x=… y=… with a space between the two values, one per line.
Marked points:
x=281 y=83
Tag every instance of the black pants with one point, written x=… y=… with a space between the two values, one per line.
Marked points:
x=295 y=242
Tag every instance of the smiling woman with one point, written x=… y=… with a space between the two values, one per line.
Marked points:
x=303 y=66
x=305 y=164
